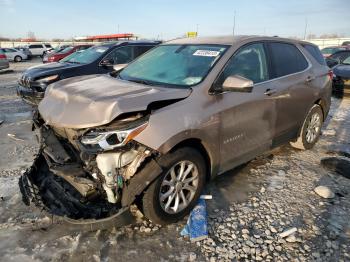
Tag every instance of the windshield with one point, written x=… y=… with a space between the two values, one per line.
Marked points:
x=85 y=56
x=177 y=65
x=347 y=61
x=65 y=50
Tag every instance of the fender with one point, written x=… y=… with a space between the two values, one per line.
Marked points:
x=138 y=183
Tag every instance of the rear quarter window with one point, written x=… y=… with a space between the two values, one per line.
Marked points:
x=286 y=59
x=316 y=53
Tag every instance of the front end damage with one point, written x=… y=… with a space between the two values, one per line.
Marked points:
x=89 y=173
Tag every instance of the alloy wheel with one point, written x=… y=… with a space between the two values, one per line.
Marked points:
x=179 y=187
x=313 y=128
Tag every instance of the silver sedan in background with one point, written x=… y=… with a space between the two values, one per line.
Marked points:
x=4 y=63
x=14 y=54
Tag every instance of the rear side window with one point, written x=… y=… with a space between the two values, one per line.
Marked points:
x=35 y=46
x=48 y=46
x=316 y=53
x=286 y=59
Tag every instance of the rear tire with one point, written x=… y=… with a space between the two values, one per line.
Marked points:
x=17 y=58
x=161 y=208
x=311 y=129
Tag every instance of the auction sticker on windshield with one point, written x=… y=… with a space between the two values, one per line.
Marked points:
x=206 y=53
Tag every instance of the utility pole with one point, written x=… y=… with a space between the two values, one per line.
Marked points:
x=118 y=28
x=305 y=29
x=234 y=23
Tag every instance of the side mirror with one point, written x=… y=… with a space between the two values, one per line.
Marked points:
x=237 y=83
x=119 y=67
x=108 y=63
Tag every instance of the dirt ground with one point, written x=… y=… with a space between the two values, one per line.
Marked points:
x=251 y=206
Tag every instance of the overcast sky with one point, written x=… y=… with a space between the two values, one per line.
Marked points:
x=169 y=19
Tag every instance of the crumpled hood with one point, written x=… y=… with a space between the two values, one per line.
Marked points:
x=94 y=100
x=342 y=71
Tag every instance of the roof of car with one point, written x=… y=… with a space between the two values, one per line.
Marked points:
x=131 y=42
x=228 y=40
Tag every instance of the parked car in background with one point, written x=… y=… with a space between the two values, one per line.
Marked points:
x=341 y=78
x=39 y=49
x=4 y=63
x=94 y=60
x=181 y=114
x=346 y=43
x=328 y=51
x=337 y=58
x=57 y=56
x=53 y=51
x=26 y=51
x=14 y=54
x=56 y=49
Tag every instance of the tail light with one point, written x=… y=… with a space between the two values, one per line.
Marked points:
x=330 y=74
x=2 y=56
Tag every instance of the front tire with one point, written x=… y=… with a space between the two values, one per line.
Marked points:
x=176 y=191
x=311 y=129
x=17 y=58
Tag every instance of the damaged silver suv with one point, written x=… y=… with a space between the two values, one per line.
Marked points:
x=179 y=115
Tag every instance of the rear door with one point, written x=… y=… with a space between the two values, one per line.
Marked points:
x=248 y=118
x=289 y=88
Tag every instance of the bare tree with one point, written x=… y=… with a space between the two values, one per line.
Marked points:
x=311 y=36
x=329 y=36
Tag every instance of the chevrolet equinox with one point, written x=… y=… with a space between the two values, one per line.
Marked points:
x=154 y=132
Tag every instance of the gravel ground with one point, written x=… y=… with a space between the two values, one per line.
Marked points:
x=266 y=210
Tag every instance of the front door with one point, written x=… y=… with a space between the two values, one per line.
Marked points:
x=248 y=118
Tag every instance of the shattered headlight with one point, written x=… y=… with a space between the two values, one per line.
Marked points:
x=112 y=139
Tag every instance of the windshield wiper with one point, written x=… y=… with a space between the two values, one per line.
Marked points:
x=139 y=81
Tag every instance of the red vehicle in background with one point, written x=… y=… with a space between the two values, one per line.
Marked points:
x=55 y=57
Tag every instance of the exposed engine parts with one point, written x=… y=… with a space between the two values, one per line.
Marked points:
x=93 y=177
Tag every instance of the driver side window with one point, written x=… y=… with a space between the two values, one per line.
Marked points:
x=249 y=62
x=122 y=55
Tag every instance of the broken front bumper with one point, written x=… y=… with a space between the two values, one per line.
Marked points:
x=59 y=183
x=29 y=95
x=30 y=192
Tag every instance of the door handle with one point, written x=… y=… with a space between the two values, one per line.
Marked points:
x=310 y=78
x=270 y=92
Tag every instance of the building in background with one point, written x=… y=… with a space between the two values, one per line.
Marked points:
x=105 y=38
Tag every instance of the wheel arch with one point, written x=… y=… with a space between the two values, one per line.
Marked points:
x=323 y=106
x=198 y=145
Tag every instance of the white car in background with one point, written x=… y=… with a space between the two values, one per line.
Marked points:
x=39 y=49
x=14 y=54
